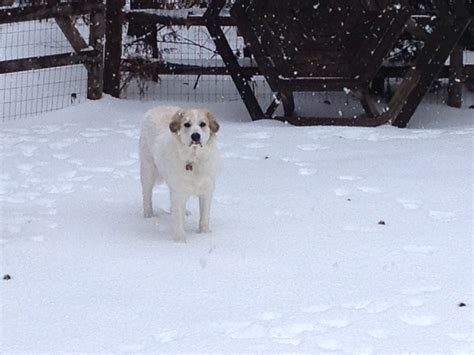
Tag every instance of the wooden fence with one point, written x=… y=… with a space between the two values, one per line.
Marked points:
x=86 y=52
x=102 y=53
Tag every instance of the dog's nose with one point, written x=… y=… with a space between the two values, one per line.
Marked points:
x=196 y=137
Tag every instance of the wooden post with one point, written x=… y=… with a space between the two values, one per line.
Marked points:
x=113 y=47
x=419 y=78
x=223 y=48
x=95 y=78
x=455 y=77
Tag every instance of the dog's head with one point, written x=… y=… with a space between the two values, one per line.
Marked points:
x=194 y=127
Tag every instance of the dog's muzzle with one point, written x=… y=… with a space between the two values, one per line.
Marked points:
x=196 y=138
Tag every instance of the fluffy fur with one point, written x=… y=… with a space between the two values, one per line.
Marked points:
x=178 y=147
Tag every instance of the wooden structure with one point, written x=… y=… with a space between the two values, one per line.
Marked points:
x=345 y=51
x=87 y=52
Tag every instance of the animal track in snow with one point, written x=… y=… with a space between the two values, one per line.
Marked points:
x=129 y=162
x=61 y=156
x=415 y=302
x=226 y=200
x=469 y=337
x=291 y=331
x=420 y=249
x=378 y=307
x=360 y=229
x=256 y=145
x=28 y=150
x=28 y=167
x=45 y=130
x=256 y=135
x=341 y=192
x=132 y=348
x=93 y=134
x=307 y=171
x=63 y=143
x=310 y=147
x=269 y=316
x=443 y=216
x=328 y=344
x=418 y=320
x=349 y=178
x=231 y=155
x=252 y=331
x=409 y=204
x=356 y=305
x=59 y=189
x=421 y=290
x=369 y=190
x=316 y=308
x=166 y=337
x=98 y=169
x=335 y=323
x=378 y=333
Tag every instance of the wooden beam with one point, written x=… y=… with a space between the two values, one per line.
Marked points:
x=6 y=2
x=368 y=104
x=273 y=106
x=113 y=47
x=320 y=84
x=95 y=78
x=455 y=77
x=246 y=30
x=56 y=60
x=419 y=78
x=71 y=33
x=384 y=33
x=359 y=121
x=415 y=30
x=32 y=13
x=135 y=65
x=223 y=48
x=288 y=100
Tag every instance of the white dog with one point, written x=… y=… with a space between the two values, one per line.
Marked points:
x=178 y=146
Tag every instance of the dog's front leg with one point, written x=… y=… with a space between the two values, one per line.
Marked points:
x=204 y=211
x=178 y=209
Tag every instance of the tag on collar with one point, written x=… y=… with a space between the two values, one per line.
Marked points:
x=189 y=167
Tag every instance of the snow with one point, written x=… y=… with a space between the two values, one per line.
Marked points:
x=298 y=260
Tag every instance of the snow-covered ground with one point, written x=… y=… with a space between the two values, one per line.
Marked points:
x=324 y=238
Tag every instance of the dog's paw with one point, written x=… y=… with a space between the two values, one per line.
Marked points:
x=147 y=214
x=204 y=229
x=180 y=238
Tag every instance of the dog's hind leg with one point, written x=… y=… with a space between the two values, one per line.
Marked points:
x=148 y=179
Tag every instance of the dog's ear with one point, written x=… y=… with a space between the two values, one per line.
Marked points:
x=175 y=123
x=213 y=125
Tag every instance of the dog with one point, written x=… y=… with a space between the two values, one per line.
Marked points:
x=178 y=147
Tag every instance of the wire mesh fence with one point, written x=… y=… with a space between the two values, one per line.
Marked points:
x=36 y=91
x=185 y=46
x=179 y=45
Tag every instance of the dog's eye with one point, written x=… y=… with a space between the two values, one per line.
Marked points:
x=202 y=125
x=187 y=125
